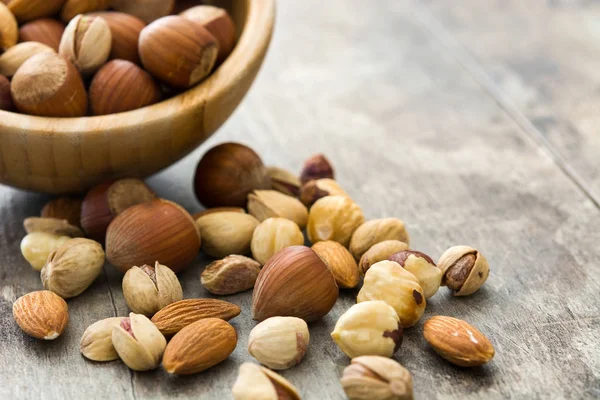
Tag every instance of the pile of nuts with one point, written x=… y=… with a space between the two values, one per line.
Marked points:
x=72 y=58
x=254 y=229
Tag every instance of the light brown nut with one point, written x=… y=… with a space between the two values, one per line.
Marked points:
x=149 y=289
x=202 y=213
x=377 y=378
x=284 y=181
x=27 y=10
x=180 y=314
x=465 y=270
x=272 y=235
x=13 y=58
x=368 y=328
x=279 y=342
x=96 y=342
x=457 y=341
x=313 y=190
x=72 y=8
x=231 y=275
x=41 y=314
x=37 y=246
x=388 y=281
x=73 y=267
x=340 y=262
x=53 y=226
x=421 y=266
x=86 y=43
x=125 y=31
x=379 y=252
x=9 y=33
x=138 y=342
x=225 y=233
x=258 y=383
x=334 y=218
x=68 y=208
x=375 y=231
x=265 y=204
x=199 y=346
x=316 y=167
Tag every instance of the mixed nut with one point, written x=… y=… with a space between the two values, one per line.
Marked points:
x=72 y=58
x=254 y=230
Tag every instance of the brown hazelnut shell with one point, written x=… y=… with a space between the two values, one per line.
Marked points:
x=45 y=30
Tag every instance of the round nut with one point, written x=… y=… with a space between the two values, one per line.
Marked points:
x=233 y=274
x=216 y=21
x=6 y=101
x=375 y=231
x=64 y=208
x=8 y=28
x=37 y=246
x=379 y=252
x=146 y=10
x=340 y=262
x=265 y=204
x=72 y=8
x=421 y=266
x=464 y=270
x=279 y=342
x=273 y=235
x=334 y=218
x=125 y=30
x=41 y=314
x=45 y=30
x=225 y=233
x=28 y=10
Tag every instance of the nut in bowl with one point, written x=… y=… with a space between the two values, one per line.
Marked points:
x=138 y=142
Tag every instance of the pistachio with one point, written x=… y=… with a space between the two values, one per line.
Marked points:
x=465 y=270
x=265 y=204
x=138 y=342
x=379 y=252
x=377 y=378
x=257 y=383
x=37 y=246
x=313 y=190
x=73 y=267
x=284 y=181
x=233 y=274
x=86 y=43
x=421 y=266
x=54 y=226
x=225 y=233
x=279 y=342
x=272 y=235
x=340 y=262
x=316 y=167
x=96 y=342
x=148 y=289
x=334 y=218
x=375 y=231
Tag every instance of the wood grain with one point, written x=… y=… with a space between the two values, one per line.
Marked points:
x=412 y=135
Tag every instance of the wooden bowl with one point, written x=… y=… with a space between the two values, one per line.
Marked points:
x=65 y=155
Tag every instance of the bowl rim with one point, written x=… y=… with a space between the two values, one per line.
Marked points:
x=223 y=78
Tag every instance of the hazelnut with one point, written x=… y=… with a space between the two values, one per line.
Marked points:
x=265 y=204
x=177 y=51
x=295 y=282
x=388 y=281
x=340 y=262
x=147 y=232
x=125 y=30
x=375 y=231
x=368 y=328
x=232 y=274
x=284 y=181
x=379 y=252
x=138 y=342
x=256 y=382
x=86 y=43
x=465 y=270
x=279 y=342
x=227 y=173
x=421 y=266
x=73 y=267
x=9 y=33
x=272 y=235
x=47 y=85
x=53 y=226
x=96 y=342
x=109 y=199
x=37 y=246
x=334 y=218
x=6 y=101
x=216 y=21
x=377 y=378
x=316 y=167
x=146 y=10
x=121 y=86
x=148 y=289
x=27 y=10
x=45 y=30
x=313 y=190
x=14 y=57
x=66 y=208
x=225 y=233
x=72 y=8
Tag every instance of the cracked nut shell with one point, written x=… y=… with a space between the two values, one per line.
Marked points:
x=377 y=378
x=465 y=270
x=149 y=289
x=258 y=383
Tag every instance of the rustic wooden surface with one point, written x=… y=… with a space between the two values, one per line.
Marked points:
x=425 y=108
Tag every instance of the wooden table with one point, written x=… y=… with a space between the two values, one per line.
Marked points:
x=474 y=121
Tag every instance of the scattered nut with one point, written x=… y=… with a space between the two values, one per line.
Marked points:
x=316 y=167
x=37 y=246
x=9 y=33
x=6 y=101
x=255 y=382
x=294 y=282
x=279 y=342
x=73 y=8
x=96 y=342
x=225 y=233
x=180 y=314
x=45 y=30
x=368 y=328
x=284 y=181
x=199 y=346
x=334 y=218
x=340 y=262
x=272 y=235
x=421 y=266
x=53 y=226
x=125 y=30
x=216 y=21
x=313 y=190
x=41 y=314
x=138 y=342
x=465 y=270
x=27 y=10
x=86 y=43
x=375 y=231
x=265 y=204
x=231 y=275
x=388 y=281
x=148 y=289
x=377 y=378
x=147 y=10
x=457 y=341
x=200 y=214
x=73 y=267
x=68 y=208
x=379 y=252
x=13 y=58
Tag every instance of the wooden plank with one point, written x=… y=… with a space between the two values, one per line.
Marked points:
x=412 y=135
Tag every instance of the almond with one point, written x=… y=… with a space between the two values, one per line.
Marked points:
x=41 y=314
x=199 y=346
x=180 y=314
x=458 y=342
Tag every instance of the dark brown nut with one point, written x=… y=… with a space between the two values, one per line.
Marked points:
x=316 y=167
x=379 y=252
x=68 y=208
x=233 y=274
x=313 y=190
x=44 y=30
x=377 y=378
x=464 y=270
x=218 y=22
x=421 y=266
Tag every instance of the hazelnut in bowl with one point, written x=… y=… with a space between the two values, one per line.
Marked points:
x=66 y=148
